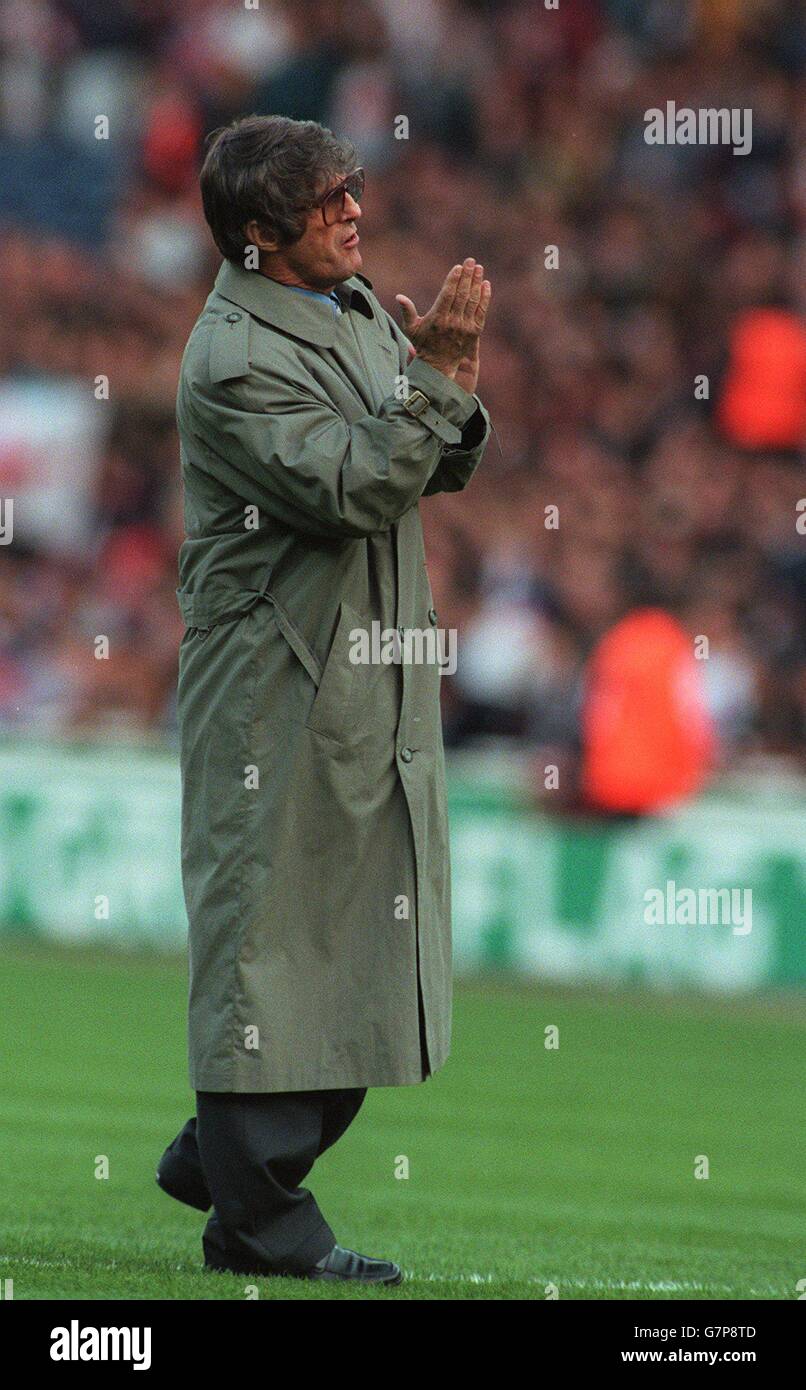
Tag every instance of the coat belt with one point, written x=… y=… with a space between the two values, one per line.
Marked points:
x=206 y=610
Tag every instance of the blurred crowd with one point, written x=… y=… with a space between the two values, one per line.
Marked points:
x=646 y=378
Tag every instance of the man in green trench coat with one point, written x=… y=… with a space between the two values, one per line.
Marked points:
x=314 y=819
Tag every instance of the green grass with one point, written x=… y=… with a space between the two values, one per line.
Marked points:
x=528 y=1167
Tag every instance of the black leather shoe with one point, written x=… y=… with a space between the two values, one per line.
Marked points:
x=346 y=1264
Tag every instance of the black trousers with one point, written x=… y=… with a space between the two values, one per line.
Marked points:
x=246 y=1156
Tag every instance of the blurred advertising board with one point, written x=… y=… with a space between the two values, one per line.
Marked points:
x=711 y=898
x=89 y=852
x=49 y=441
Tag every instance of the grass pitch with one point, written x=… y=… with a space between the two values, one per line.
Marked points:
x=528 y=1167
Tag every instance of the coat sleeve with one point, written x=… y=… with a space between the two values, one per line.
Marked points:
x=459 y=461
x=273 y=442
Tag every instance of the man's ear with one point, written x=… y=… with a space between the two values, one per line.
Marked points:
x=261 y=238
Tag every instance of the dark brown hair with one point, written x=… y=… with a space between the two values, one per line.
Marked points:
x=269 y=168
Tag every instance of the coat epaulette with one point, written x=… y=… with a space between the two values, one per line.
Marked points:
x=229 y=346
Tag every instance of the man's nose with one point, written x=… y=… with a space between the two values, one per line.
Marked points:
x=352 y=209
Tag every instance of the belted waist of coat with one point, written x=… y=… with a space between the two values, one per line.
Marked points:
x=210 y=606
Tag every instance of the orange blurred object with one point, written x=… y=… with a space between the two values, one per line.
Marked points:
x=132 y=561
x=763 y=404
x=648 y=739
x=171 y=142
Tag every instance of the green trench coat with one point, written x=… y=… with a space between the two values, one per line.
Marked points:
x=314 y=821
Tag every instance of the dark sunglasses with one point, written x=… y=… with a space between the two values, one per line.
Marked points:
x=332 y=204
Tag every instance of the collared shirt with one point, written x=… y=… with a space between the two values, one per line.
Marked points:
x=332 y=299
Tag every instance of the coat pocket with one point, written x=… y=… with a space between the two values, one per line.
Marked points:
x=337 y=709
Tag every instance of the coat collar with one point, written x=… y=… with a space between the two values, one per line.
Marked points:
x=297 y=314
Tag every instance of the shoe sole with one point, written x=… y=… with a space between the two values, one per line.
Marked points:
x=285 y=1274
x=356 y=1278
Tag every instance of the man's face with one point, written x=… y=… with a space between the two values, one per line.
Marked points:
x=325 y=255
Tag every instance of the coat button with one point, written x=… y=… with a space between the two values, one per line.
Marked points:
x=406 y=754
x=432 y=616
x=234 y=318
